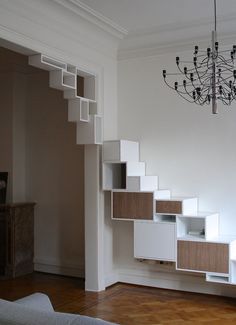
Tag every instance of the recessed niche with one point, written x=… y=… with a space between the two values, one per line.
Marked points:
x=114 y=176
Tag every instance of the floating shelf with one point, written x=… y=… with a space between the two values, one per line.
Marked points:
x=202 y=225
x=62 y=79
x=142 y=183
x=78 y=110
x=121 y=151
x=91 y=132
x=46 y=63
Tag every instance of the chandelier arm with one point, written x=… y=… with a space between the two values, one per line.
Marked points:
x=193 y=101
x=178 y=91
x=225 y=61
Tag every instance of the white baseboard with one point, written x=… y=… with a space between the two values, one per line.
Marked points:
x=174 y=281
x=55 y=267
x=111 y=278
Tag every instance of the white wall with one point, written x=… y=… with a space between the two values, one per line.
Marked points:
x=190 y=149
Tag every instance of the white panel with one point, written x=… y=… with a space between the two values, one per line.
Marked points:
x=61 y=79
x=70 y=93
x=233 y=271
x=91 y=132
x=135 y=168
x=73 y=110
x=148 y=183
x=84 y=110
x=233 y=250
x=71 y=68
x=107 y=177
x=133 y=183
x=190 y=206
x=89 y=87
x=129 y=150
x=45 y=62
x=217 y=277
x=212 y=226
x=111 y=150
x=112 y=176
x=181 y=225
x=93 y=108
x=154 y=240
x=162 y=194
x=142 y=183
x=98 y=129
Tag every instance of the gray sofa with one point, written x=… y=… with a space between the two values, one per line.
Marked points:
x=37 y=309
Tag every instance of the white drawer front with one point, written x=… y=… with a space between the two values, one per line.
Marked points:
x=153 y=240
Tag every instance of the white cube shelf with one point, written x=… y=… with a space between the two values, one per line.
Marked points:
x=46 y=63
x=162 y=194
x=78 y=110
x=142 y=183
x=202 y=225
x=115 y=173
x=114 y=176
x=91 y=132
x=154 y=240
x=62 y=79
x=135 y=168
x=120 y=150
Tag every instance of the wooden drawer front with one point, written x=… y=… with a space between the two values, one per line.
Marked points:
x=132 y=205
x=173 y=207
x=201 y=256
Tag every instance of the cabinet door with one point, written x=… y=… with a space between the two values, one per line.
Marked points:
x=202 y=256
x=133 y=205
x=153 y=240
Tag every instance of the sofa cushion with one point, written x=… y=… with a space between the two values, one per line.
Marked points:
x=12 y=313
x=36 y=301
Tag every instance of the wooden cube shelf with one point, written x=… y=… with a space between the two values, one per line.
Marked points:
x=203 y=256
x=177 y=206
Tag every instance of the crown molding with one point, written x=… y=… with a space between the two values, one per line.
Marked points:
x=94 y=17
x=176 y=37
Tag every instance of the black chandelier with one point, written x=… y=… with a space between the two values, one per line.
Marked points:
x=209 y=77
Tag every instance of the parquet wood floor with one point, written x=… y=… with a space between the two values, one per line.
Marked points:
x=125 y=304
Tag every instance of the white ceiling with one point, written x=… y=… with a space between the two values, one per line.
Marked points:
x=159 y=23
x=139 y=15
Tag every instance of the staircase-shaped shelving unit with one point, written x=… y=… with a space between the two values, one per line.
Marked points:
x=166 y=228
x=79 y=89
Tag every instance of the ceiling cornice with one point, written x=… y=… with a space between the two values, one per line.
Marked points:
x=176 y=37
x=94 y=17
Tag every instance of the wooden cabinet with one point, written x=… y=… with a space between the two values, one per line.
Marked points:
x=132 y=205
x=16 y=239
x=203 y=256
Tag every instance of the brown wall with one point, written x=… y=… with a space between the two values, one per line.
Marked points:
x=45 y=164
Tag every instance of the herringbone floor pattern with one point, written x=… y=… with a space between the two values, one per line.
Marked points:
x=125 y=304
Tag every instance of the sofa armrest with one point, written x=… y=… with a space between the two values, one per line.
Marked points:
x=38 y=301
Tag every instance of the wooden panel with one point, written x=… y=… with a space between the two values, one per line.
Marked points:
x=165 y=206
x=132 y=205
x=17 y=238
x=202 y=256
